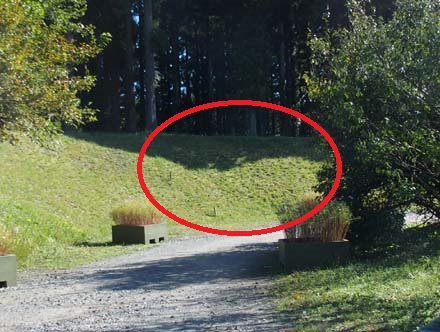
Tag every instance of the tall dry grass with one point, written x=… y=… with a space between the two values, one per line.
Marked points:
x=330 y=224
x=136 y=213
x=5 y=242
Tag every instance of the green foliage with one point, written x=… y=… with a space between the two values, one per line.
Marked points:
x=396 y=291
x=136 y=213
x=377 y=85
x=42 y=44
x=330 y=224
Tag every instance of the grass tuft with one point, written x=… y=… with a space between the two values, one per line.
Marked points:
x=136 y=213
x=5 y=242
x=330 y=224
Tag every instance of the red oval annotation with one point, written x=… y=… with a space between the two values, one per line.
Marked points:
x=229 y=103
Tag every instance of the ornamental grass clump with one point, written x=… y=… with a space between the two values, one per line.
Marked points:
x=5 y=242
x=329 y=225
x=136 y=213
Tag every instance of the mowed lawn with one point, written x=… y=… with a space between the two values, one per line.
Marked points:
x=57 y=199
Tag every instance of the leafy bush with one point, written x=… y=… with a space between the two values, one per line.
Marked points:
x=42 y=45
x=376 y=228
x=136 y=213
x=330 y=224
x=377 y=85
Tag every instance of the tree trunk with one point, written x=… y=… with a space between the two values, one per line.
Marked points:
x=285 y=121
x=150 y=99
x=220 y=93
x=212 y=129
x=282 y=63
x=142 y=119
x=112 y=86
x=175 y=73
x=128 y=45
x=253 y=122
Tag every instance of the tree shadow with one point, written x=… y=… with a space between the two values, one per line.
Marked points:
x=218 y=152
x=252 y=261
x=268 y=321
x=92 y=244
x=413 y=243
x=119 y=141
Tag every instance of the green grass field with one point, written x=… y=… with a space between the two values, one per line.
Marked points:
x=395 y=289
x=57 y=199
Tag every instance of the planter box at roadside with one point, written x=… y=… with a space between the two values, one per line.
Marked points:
x=299 y=255
x=8 y=271
x=126 y=234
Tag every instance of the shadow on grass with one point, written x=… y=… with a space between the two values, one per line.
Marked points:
x=413 y=243
x=101 y=244
x=219 y=152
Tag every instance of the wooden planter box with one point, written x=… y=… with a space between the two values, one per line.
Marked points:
x=8 y=271
x=300 y=255
x=126 y=234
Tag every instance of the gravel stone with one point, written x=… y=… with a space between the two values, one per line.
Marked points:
x=210 y=283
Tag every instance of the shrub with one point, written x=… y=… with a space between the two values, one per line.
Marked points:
x=330 y=224
x=136 y=213
x=42 y=43
x=376 y=228
x=376 y=86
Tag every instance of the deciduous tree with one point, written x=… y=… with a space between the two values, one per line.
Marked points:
x=378 y=89
x=41 y=46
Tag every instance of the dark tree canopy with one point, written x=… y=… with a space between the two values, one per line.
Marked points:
x=377 y=87
x=207 y=51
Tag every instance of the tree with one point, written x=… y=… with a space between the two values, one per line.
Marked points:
x=378 y=86
x=128 y=47
x=251 y=71
x=198 y=47
x=41 y=46
x=150 y=98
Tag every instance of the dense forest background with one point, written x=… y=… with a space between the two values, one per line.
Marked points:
x=166 y=56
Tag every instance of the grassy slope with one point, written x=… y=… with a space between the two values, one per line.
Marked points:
x=245 y=179
x=56 y=198
x=396 y=289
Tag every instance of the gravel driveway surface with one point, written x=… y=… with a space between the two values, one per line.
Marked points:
x=211 y=283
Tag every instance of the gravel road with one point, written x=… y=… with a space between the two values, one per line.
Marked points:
x=203 y=284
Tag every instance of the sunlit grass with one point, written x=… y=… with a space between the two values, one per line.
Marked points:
x=55 y=198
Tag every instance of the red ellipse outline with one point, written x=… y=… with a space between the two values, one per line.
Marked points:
x=228 y=103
